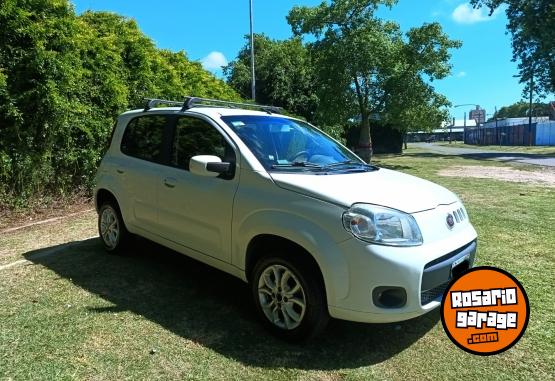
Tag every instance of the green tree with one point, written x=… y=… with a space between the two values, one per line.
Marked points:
x=522 y=109
x=284 y=75
x=367 y=66
x=63 y=80
x=532 y=26
x=137 y=69
x=412 y=102
x=37 y=57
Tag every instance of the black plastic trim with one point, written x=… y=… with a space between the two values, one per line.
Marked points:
x=218 y=167
x=438 y=271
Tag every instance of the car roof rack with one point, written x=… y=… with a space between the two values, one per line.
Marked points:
x=191 y=102
x=153 y=102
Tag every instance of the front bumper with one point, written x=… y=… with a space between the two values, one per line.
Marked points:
x=439 y=272
x=423 y=272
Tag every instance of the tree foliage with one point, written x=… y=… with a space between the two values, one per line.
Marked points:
x=284 y=75
x=522 y=109
x=367 y=66
x=532 y=26
x=63 y=80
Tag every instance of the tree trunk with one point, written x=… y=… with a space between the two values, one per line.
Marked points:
x=364 y=149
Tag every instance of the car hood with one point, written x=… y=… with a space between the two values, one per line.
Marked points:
x=382 y=187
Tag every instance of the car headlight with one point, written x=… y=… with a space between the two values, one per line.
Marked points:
x=383 y=226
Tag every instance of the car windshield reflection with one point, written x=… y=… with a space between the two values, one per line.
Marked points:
x=286 y=144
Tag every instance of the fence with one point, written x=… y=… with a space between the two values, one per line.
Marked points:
x=545 y=134
x=542 y=133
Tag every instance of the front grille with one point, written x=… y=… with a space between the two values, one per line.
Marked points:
x=459 y=215
x=433 y=293
x=438 y=273
x=448 y=256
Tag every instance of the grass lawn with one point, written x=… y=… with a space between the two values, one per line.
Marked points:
x=540 y=150
x=79 y=313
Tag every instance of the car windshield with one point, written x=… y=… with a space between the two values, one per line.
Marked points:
x=281 y=143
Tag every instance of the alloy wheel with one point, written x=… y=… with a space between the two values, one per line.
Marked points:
x=281 y=297
x=109 y=227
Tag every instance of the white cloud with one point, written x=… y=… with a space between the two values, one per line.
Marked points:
x=214 y=61
x=461 y=74
x=466 y=14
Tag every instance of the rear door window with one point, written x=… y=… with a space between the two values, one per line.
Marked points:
x=143 y=138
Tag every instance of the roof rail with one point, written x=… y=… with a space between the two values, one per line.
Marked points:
x=153 y=102
x=191 y=102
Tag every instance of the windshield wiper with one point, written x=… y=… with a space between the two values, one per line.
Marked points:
x=347 y=162
x=305 y=164
x=339 y=163
x=308 y=164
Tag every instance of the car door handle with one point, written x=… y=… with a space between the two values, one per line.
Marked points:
x=169 y=182
x=120 y=171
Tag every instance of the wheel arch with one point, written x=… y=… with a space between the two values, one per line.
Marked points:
x=316 y=249
x=102 y=196
x=258 y=246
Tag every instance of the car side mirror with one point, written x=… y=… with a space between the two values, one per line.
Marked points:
x=208 y=166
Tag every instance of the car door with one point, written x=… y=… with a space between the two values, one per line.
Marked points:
x=142 y=146
x=196 y=211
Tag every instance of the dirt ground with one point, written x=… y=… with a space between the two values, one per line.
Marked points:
x=544 y=176
x=10 y=219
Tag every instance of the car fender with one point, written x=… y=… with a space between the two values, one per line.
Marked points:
x=106 y=181
x=305 y=233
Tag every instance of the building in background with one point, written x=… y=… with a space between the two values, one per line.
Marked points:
x=455 y=132
x=478 y=114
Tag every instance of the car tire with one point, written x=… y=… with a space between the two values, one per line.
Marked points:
x=294 y=308
x=111 y=228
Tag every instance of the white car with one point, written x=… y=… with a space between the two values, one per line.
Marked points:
x=314 y=230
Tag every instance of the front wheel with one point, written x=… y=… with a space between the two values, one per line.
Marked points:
x=289 y=298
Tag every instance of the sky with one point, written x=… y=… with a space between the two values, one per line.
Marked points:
x=213 y=32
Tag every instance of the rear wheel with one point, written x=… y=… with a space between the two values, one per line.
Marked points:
x=289 y=298
x=111 y=228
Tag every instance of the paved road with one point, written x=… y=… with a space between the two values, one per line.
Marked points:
x=527 y=158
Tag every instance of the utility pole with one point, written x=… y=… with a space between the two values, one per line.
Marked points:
x=530 y=109
x=451 y=131
x=253 y=80
x=464 y=123
x=496 y=128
